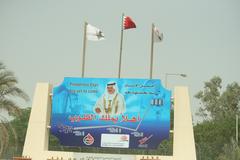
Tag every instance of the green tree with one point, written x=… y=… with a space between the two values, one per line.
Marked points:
x=218 y=108
x=19 y=124
x=230 y=151
x=211 y=135
x=8 y=92
x=215 y=103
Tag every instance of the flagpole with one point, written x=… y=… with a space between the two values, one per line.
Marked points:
x=151 y=59
x=120 y=55
x=84 y=48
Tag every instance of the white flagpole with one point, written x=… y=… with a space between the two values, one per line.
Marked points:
x=152 y=47
x=121 y=44
x=84 y=48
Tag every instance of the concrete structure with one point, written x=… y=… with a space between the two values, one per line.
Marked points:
x=36 y=142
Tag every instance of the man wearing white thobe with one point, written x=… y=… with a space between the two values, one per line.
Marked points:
x=111 y=102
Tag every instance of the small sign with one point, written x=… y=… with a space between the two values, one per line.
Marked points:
x=115 y=140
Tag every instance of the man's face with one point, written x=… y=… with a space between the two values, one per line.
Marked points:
x=110 y=89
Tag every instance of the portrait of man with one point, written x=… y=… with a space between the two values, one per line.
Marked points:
x=111 y=102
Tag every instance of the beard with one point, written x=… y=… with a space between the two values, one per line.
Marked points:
x=109 y=96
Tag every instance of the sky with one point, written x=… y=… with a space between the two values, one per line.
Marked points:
x=42 y=41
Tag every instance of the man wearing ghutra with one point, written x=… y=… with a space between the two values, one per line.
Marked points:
x=111 y=102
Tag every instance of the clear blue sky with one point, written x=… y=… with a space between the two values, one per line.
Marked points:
x=41 y=41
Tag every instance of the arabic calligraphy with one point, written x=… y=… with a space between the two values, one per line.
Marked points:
x=133 y=92
x=106 y=118
x=139 y=86
x=84 y=117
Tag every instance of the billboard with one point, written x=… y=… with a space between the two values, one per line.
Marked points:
x=111 y=112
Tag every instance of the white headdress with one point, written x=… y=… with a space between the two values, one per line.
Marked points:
x=111 y=96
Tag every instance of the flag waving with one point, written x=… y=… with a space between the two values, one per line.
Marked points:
x=128 y=23
x=157 y=36
x=94 y=34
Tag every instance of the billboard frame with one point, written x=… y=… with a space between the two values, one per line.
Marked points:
x=37 y=137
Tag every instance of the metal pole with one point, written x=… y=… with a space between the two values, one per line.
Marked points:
x=173 y=74
x=237 y=128
x=84 y=48
x=121 y=43
x=151 y=59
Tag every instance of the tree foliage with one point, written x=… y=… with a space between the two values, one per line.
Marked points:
x=215 y=103
x=9 y=91
x=19 y=124
x=211 y=135
x=230 y=152
x=218 y=108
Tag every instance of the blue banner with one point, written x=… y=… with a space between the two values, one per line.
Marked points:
x=111 y=112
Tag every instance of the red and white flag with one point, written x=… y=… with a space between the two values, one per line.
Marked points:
x=128 y=23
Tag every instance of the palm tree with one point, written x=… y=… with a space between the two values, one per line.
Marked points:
x=8 y=91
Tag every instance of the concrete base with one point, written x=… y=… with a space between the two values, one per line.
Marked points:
x=36 y=142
